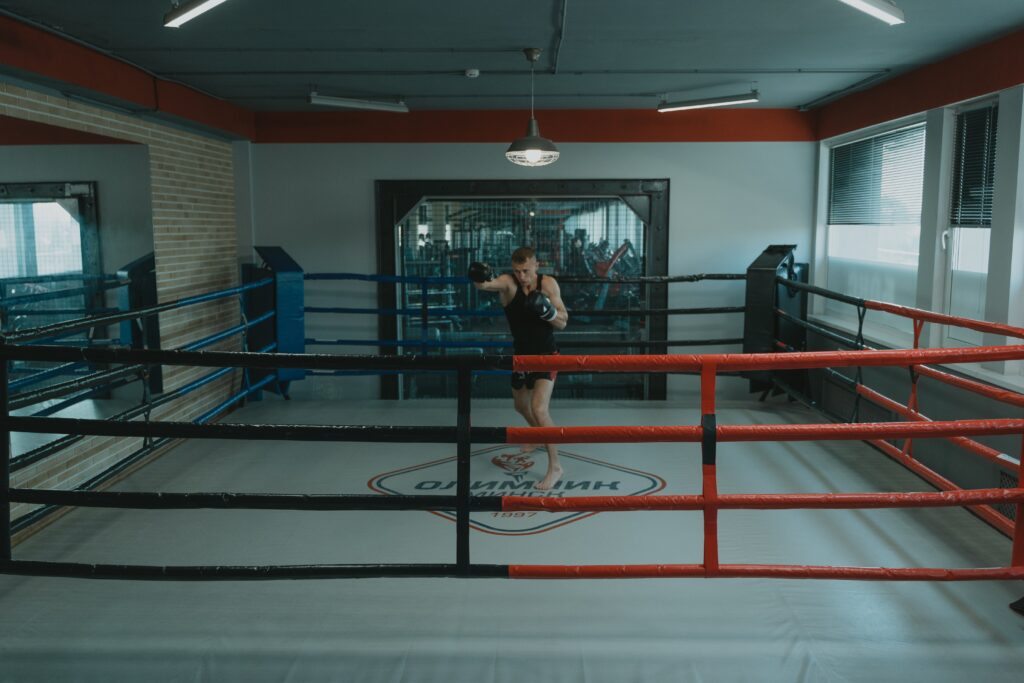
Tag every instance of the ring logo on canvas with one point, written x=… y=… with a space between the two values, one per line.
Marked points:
x=516 y=465
x=515 y=474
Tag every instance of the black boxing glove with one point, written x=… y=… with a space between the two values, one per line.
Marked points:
x=541 y=306
x=480 y=272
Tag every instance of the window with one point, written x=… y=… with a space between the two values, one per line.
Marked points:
x=48 y=242
x=874 y=220
x=970 y=218
x=40 y=238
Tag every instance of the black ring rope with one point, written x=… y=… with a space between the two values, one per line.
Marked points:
x=159 y=434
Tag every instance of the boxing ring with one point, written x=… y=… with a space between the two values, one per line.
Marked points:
x=725 y=472
x=708 y=434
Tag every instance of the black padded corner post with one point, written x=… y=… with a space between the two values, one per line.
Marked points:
x=288 y=301
x=793 y=303
x=140 y=292
x=709 y=440
x=759 y=321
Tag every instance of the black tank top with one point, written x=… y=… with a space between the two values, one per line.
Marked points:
x=530 y=334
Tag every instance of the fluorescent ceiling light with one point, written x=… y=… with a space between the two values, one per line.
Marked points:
x=349 y=103
x=188 y=11
x=743 y=98
x=879 y=9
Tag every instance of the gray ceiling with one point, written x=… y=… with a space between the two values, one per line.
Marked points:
x=598 y=54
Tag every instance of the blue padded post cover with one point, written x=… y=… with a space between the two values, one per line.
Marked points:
x=289 y=288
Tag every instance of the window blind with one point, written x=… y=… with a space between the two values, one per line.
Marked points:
x=974 y=164
x=878 y=180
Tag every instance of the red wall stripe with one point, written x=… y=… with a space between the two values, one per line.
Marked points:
x=33 y=50
x=981 y=70
x=184 y=102
x=27 y=49
x=987 y=68
x=562 y=125
x=14 y=131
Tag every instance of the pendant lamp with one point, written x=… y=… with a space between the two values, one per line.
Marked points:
x=532 y=149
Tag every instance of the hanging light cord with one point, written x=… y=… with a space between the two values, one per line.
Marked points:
x=531 y=88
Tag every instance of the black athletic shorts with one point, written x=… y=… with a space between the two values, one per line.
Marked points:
x=528 y=379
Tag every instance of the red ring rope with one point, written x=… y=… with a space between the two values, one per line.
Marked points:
x=876 y=433
x=859 y=431
x=736 y=571
x=764 y=501
x=731 y=362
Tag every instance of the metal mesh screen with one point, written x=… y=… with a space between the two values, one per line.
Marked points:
x=600 y=237
x=1007 y=481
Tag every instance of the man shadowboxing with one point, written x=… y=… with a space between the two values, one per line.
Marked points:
x=534 y=309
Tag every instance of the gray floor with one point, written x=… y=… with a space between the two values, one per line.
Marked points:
x=406 y=630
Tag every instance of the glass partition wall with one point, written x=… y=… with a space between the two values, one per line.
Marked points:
x=586 y=237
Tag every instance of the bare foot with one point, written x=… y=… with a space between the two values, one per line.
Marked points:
x=550 y=479
x=528 y=448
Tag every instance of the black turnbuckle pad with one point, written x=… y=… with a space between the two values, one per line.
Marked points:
x=709 y=440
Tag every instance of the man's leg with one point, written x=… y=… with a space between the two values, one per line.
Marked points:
x=522 y=399
x=539 y=403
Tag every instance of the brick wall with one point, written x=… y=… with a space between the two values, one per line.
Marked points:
x=194 y=240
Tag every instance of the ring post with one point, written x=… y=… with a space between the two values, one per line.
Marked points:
x=708 y=461
x=424 y=314
x=908 y=446
x=1017 y=551
x=144 y=332
x=462 y=473
x=1017 y=556
x=760 y=324
x=286 y=297
x=5 y=460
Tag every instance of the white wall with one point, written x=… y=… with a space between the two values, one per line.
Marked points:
x=727 y=202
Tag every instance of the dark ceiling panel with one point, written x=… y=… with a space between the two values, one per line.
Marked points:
x=598 y=54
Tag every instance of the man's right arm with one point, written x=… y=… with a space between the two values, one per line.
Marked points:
x=482 y=277
x=498 y=284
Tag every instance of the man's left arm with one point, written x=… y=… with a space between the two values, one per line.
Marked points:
x=550 y=288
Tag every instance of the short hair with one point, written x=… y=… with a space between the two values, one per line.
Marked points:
x=523 y=254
